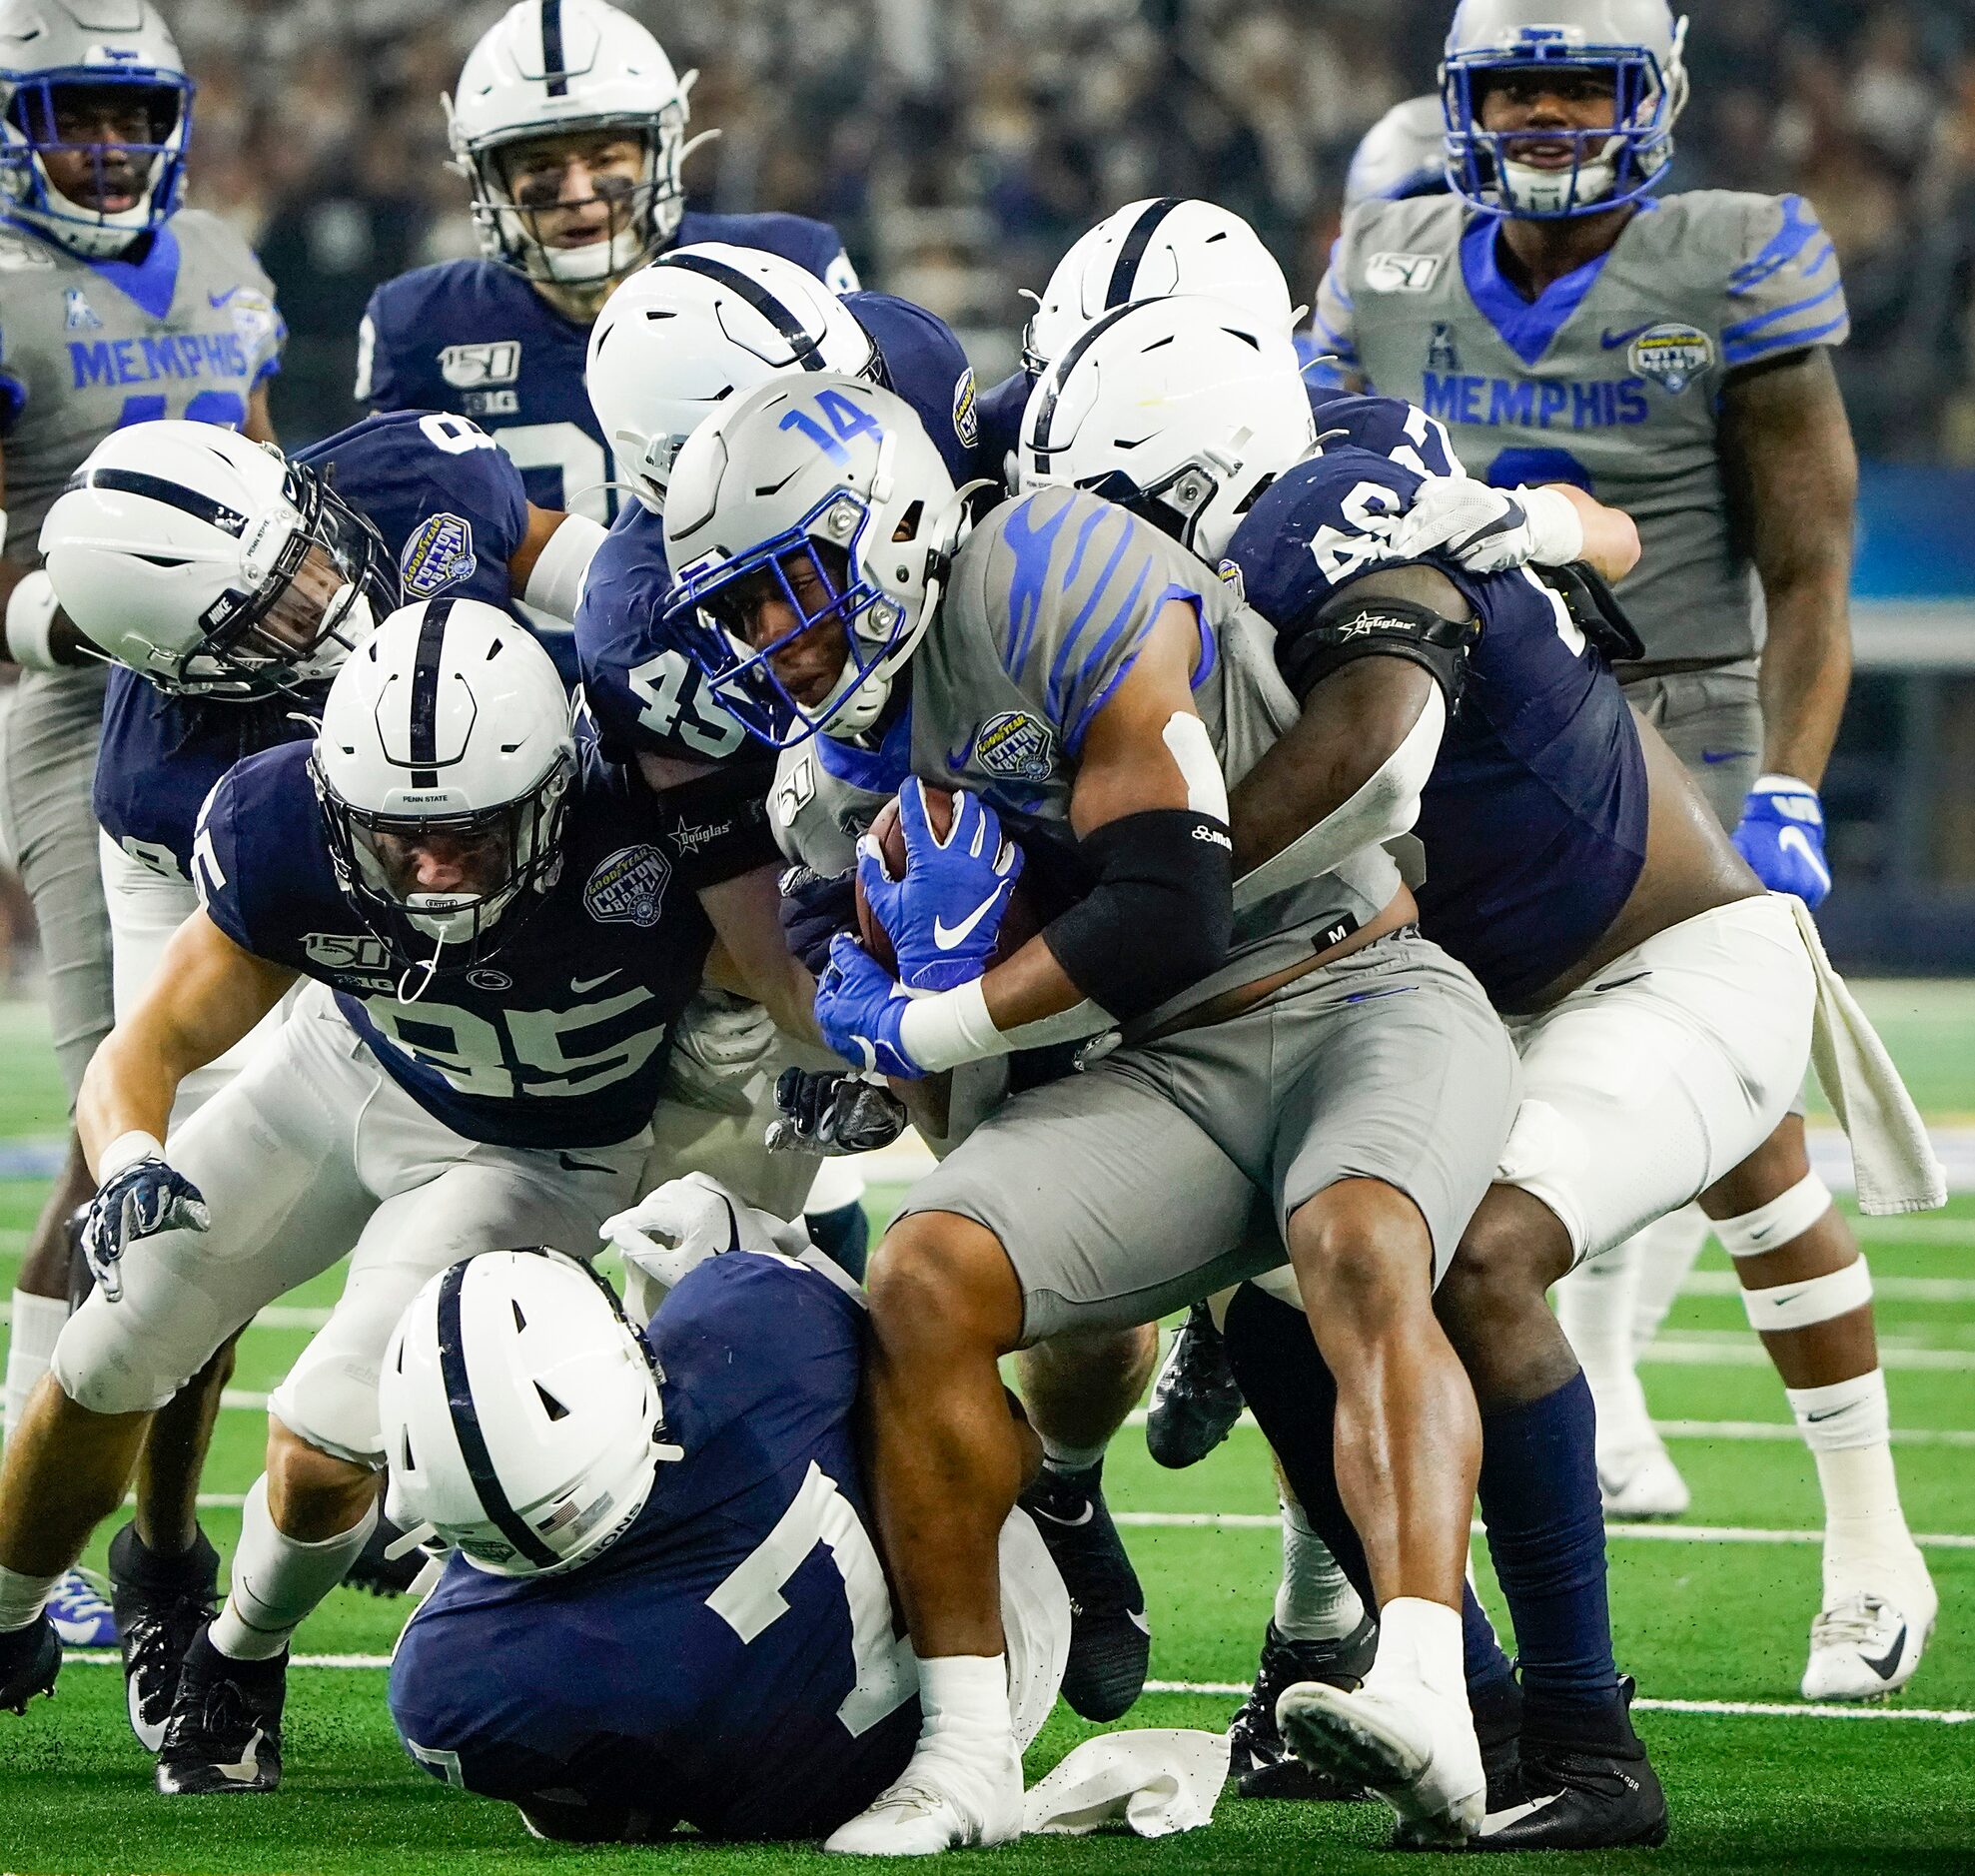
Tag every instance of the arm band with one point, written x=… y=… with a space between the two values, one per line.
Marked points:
x=1359 y=626
x=31 y=610
x=555 y=585
x=717 y=824
x=1595 y=611
x=1160 y=916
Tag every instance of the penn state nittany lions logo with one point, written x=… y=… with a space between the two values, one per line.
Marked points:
x=629 y=888
x=439 y=555
x=1674 y=353
x=966 y=419
x=1015 y=746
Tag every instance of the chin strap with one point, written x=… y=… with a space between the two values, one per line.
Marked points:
x=425 y=982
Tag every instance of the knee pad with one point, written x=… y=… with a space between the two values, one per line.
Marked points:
x=331 y=1401
x=1815 y=1300
x=1771 y=1225
x=106 y=1362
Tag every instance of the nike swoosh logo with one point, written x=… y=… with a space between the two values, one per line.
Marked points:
x=1713 y=756
x=247 y=1767
x=1795 y=840
x=1501 y=1820
x=1137 y=1619
x=569 y=1163
x=948 y=936
x=1889 y=1663
x=734 y=1225
x=581 y=984
x=1619 y=983
x=218 y=300
x=1613 y=341
x=1830 y=1414
x=1082 y=1518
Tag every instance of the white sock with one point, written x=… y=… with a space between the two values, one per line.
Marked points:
x=1672 y=1243
x=22 y=1598
x=1418 y=1646
x=35 y=1325
x=277 y=1582
x=1061 y=1458
x=1314 y=1600
x=1595 y=1306
x=1846 y=1427
x=964 y=1702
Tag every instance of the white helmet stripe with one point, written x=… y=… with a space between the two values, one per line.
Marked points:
x=553 y=66
x=1124 y=276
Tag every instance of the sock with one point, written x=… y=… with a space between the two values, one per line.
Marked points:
x=1419 y=1644
x=963 y=1701
x=1595 y=1307
x=1545 y=1526
x=1669 y=1249
x=1314 y=1600
x=1491 y=1690
x=35 y=1325
x=132 y=1562
x=1845 y=1425
x=1059 y=1458
x=22 y=1598
x=277 y=1581
x=844 y=1235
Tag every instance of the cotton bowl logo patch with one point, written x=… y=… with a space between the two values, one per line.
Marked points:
x=1676 y=354
x=966 y=416
x=629 y=888
x=439 y=555
x=1230 y=576
x=1016 y=745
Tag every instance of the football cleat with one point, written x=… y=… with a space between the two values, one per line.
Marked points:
x=1584 y=1796
x=81 y=1617
x=1865 y=1645
x=1258 y=1761
x=1110 y=1638
x=225 y=1730
x=1195 y=1401
x=941 y=1801
x=30 y=1658
x=1639 y=1482
x=159 y=1610
x=1418 y=1754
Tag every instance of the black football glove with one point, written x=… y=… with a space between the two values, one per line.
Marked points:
x=833 y=1112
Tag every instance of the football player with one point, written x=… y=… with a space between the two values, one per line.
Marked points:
x=119 y=307
x=569 y=124
x=498 y=939
x=1672 y=356
x=664 y=1602
x=1072 y=662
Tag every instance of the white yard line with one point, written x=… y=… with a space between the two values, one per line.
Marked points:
x=1735 y=1347
x=1890 y=1289
x=1647 y=1534
x=1782 y=1431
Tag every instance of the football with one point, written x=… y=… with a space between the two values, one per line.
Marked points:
x=1019 y=923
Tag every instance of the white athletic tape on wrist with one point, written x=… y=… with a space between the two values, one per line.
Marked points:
x=555 y=585
x=944 y=1030
x=1770 y=1226
x=1556 y=528
x=31 y=610
x=1815 y=1300
x=125 y=1150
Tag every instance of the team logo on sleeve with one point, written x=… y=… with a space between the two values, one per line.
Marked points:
x=1015 y=746
x=1229 y=576
x=1674 y=354
x=495 y=361
x=439 y=555
x=629 y=888
x=18 y=253
x=254 y=316
x=1402 y=273
x=966 y=418
x=78 y=316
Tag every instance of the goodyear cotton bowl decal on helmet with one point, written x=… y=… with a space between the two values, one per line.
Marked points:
x=1676 y=354
x=966 y=414
x=629 y=888
x=439 y=555
x=1016 y=745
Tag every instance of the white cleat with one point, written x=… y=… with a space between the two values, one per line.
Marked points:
x=1421 y=1756
x=1865 y=1645
x=1640 y=1482
x=939 y=1802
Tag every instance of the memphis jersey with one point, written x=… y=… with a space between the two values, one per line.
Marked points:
x=731 y=1661
x=648 y=697
x=555 y=1040
x=475 y=338
x=450 y=509
x=87 y=346
x=1535 y=819
x=1610 y=380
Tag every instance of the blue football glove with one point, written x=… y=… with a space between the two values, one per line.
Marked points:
x=859 y=1010
x=144 y=1197
x=815 y=907
x=1782 y=836
x=944 y=915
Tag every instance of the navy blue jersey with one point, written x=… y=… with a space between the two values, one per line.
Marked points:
x=731 y=1661
x=1535 y=819
x=920 y=358
x=449 y=507
x=475 y=338
x=560 y=1039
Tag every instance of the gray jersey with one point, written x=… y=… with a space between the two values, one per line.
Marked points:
x=88 y=346
x=1611 y=380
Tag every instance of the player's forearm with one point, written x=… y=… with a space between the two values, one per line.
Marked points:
x=753 y=958
x=35 y=632
x=1612 y=538
x=129 y=1087
x=1805 y=676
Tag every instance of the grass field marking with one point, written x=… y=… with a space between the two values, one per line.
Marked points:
x=1951 y=1232
x=1650 y=1533
x=1787 y=1433
x=1886 y=1288
x=1737 y=1347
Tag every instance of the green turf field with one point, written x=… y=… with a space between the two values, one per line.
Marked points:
x=1712 y=1617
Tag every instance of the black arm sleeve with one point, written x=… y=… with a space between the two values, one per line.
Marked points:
x=1160 y=916
x=1359 y=626
x=717 y=825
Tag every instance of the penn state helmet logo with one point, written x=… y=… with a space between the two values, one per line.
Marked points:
x=1015 y=746
x=629 y=888
x=439 y=555
x=1674 y=354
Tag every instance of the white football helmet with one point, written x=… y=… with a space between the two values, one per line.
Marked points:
x=1180 y=409
x=49 y=46
x=1637 y=42
x=521 y=1412
x=837 y=471
x=207 y=563
x=552 y=66
x=443 y=765
x=1147 y=251
x=1403 y=154
x=696 y=328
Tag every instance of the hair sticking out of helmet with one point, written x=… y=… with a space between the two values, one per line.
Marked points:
x=1546 y=118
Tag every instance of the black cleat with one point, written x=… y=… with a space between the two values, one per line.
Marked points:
x=1580 y=1796
x=225 y=1729
x=30 y=1658
x=383 y=1576
x=1258 y=1764
x=1110 y=1638
x=1195 y=1401
x=161 y=1604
